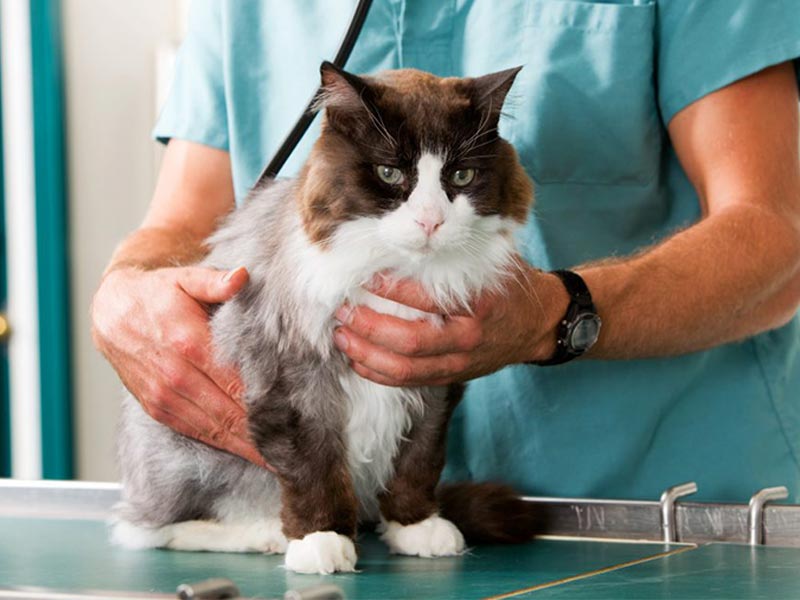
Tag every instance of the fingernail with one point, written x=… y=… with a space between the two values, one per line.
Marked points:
x=375 y=282
x=343 y=314
x=229 y=275
x=340 y=339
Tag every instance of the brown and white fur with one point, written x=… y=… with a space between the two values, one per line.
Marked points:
x=344 y=449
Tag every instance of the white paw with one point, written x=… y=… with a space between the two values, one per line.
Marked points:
x=321 y=552
x=434 y=536
x=137 y=537
x=263 y=535
x=266 y=536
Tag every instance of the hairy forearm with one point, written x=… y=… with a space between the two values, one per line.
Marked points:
x=155 y=247
x=732 y=275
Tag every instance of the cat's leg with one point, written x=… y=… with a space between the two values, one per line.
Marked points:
x=181 y=494
x=243 y=518
x=319 y=509
x=410 y=523
x=263 y=535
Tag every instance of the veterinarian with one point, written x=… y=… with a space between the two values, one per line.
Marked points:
x=663 y=139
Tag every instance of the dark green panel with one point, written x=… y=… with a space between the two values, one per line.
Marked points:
x=5 y=408
x=75 y=554
x=52 y=246
x=710 y=572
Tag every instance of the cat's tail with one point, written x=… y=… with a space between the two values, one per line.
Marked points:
x=488 y=512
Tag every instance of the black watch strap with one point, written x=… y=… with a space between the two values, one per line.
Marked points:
x=580 y=302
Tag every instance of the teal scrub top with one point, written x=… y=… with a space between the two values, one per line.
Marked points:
x=587 y=114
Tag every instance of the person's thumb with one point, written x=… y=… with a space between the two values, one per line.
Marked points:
x=210 y=285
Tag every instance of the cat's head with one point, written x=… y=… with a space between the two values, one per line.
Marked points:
x=417 y=161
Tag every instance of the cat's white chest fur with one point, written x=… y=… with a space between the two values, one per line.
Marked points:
x=378 y=417
x=471 y=253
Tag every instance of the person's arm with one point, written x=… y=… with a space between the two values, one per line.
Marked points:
x=194 y=190
x=733 y=274
x=148 y=314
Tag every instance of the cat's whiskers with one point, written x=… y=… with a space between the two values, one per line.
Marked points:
x=480 y=132
x=477 y=156
x=473 y=143
x=377 y=121
x=476 y=145
x=518 y=274
x=381 y=154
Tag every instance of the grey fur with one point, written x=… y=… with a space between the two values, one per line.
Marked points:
x=168 y=478
x=302 y=397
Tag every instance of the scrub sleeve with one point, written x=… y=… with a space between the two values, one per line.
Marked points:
x=704 y=45
x=195 y=108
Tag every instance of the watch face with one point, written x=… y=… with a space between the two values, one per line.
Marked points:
x=584 y=333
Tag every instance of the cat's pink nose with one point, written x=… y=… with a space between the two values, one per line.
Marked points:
x=429 y=223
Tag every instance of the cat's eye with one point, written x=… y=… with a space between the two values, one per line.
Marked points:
x=462 y=177
x=390 y=175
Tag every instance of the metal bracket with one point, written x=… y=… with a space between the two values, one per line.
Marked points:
x=669 y=528
x=220 y=588
x=317 y=592
x=755 y=513
x=210 y=589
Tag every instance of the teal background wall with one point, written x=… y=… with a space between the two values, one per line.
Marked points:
x=52 y=243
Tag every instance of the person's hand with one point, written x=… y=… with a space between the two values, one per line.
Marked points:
x=514 y=325
x=153 y=328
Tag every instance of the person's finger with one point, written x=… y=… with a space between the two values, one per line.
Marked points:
x=184 y=416
x=401 y=369
x=210 y=285
x=373 y=376
x=376 y=377
x=243 y=449
x=227 y=379
x=192 y=383
x=411 y=293
x=198 y=410
x=219 y=424
x=411 y=338
x=192 y=341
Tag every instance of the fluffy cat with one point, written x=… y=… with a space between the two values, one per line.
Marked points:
x=410 y=177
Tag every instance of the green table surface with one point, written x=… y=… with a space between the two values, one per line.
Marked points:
x=708 y=572
x=75 y=555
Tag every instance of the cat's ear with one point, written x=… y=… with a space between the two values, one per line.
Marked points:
x=489 y=91
x=348 y=100
x=341 y=90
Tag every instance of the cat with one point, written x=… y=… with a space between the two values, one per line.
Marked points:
x=410 y=178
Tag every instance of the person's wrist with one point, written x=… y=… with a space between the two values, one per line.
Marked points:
x=552 y=304
x=120 y=267
x=152 y=248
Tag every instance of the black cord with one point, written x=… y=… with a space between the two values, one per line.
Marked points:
x=304 y=122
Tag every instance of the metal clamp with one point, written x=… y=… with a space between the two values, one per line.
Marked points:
x=210 y=589
x=755 y=513
x=224 y=589
x=669 y=527
x=317 y=592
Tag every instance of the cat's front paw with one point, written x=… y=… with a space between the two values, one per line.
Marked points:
x=434 y=536
x=321 y=552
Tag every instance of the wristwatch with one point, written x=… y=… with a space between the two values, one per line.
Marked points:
x=580 y=327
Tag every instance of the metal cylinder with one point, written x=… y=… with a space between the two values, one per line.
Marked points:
x=669 y=527
x=210 y=589
x=317 y=592
x=755 y=513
